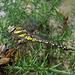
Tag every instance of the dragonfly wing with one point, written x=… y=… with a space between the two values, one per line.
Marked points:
x=31 y=25
x=43 y=37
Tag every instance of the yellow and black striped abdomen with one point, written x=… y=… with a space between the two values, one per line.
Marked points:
x=23 y=34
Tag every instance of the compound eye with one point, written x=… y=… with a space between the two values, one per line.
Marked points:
x=11 y=29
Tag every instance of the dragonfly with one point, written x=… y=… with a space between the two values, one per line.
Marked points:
x=23 y=34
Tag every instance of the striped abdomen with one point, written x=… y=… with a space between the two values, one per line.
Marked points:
x=24 y=35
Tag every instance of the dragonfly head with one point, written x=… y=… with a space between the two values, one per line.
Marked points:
x=11 y=29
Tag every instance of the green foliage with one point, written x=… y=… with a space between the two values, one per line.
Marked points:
x=26 y=65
